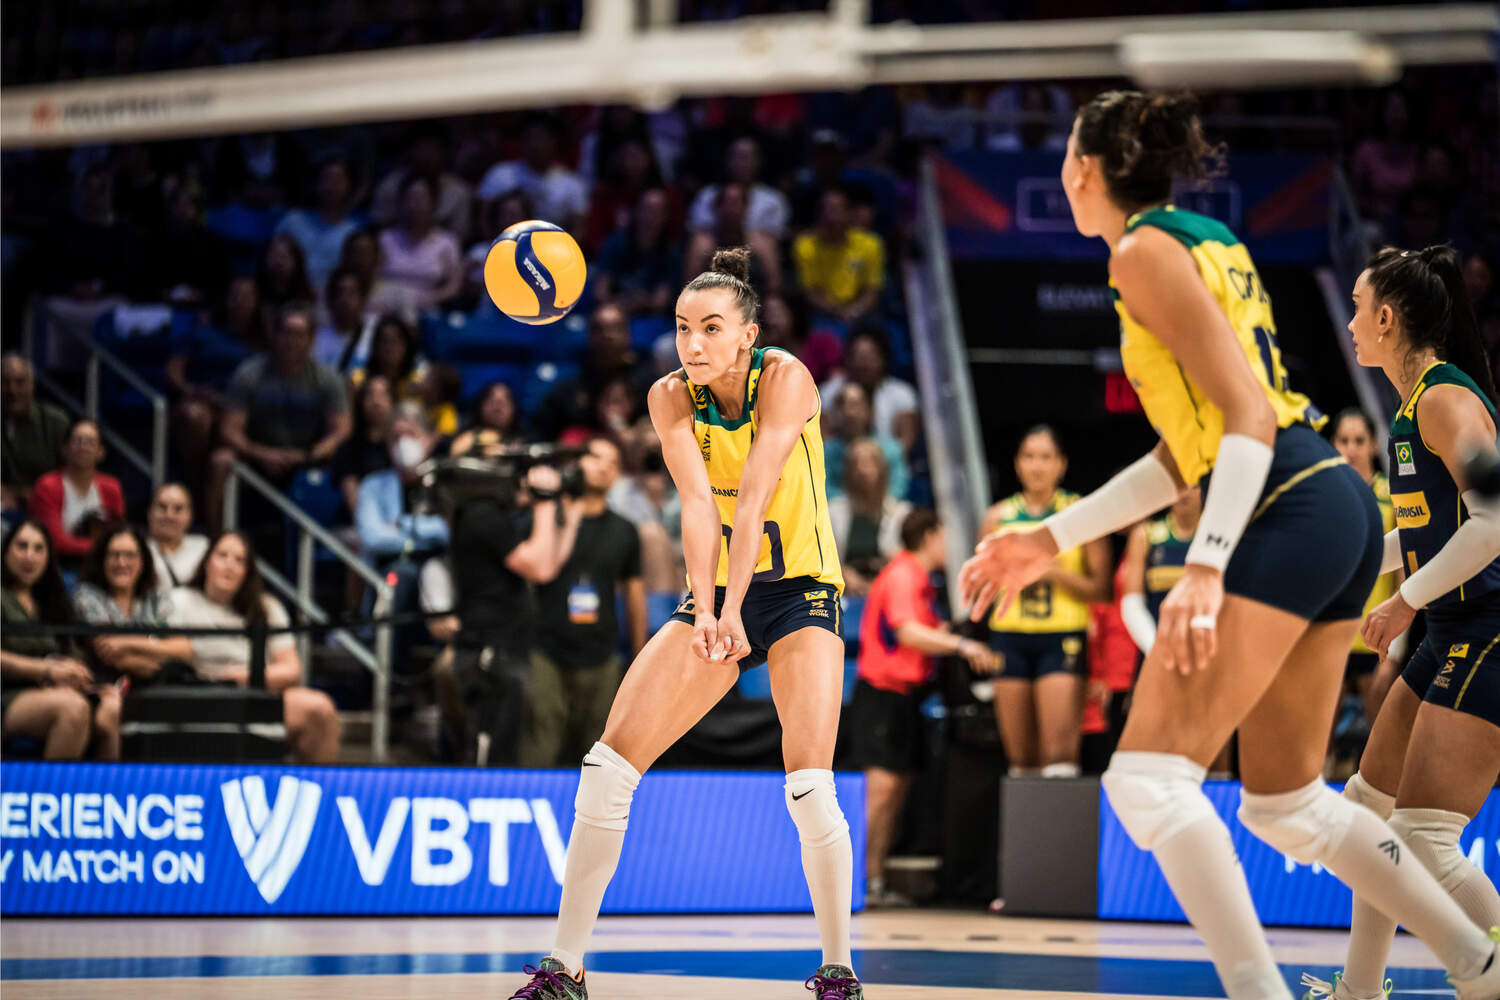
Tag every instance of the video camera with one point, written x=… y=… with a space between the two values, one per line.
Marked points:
x=494 y=473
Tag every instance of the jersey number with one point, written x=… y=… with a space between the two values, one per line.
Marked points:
x=778 y=558
x=1266 y=340
x=1036 y=600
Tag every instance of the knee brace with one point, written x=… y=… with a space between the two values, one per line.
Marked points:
x=1432 y=835
x=813 y=802
x=1307 y=824
x=1156 y=795
x=605 y=789
x=1361 y=792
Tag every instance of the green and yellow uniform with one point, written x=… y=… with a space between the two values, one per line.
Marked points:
x=1045 y=628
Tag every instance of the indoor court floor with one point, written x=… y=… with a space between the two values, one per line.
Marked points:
x=910 y=954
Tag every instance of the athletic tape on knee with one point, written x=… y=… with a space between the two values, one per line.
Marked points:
x=1361 y=792
x=1432 y=835
x=1308 y=824
x=1156 y=795
x=813 y=802
x=605 y=787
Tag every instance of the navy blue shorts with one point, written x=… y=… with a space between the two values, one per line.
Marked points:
x=1026 y=656
x=1457 y=666
x=774 y=610
x=1314 y=545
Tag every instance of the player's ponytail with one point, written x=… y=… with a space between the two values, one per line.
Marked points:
x=730 y=268
x=1426 y=290
x=1144 y=143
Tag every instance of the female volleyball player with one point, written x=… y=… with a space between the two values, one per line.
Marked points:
x=1042 y=637
x=1434 y=752
x=739 y=434
x=1255 y=634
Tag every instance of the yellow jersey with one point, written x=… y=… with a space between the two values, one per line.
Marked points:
x=1385 y=586
x=798 y=537
x=1187 y=421
x=1043 y=606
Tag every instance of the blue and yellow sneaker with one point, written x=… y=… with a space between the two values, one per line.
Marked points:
x=1318 y=988
x=551 y=982
x=835 y=982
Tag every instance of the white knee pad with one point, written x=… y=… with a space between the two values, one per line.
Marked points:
x=605 y=788
x=814 y=805
x=1361 y=792
x=1432 y=835
x=1156 y=795
x=1307 y=824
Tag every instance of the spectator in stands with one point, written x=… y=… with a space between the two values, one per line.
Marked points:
x=1386 y=165
x=766 y=210
x=841 y=267
x=282 y=410
x=282 y=278
x=639 y=266
x=575 y=664
x=632 y=171
x=495 y=422
x=867 y=361
x=781 y=325
x=76 y=501
x=427 y=156
x=647 y=498
x=362 y=256
x=559 y=195
x=827 y=158
x=93 y=259
x=187 y=263
x=226 y=593
x=421 y=264
x=343 y=343
x=367 y=449
x=852 y=420
x=617 y=403
x=320 y=231
x=45 y=688
x=866 y=519
x=442 y=385
x=34 y=433
x=729 y=229
x=900 y=635
x=118 y=586
x=393 y=538
x=608 y=354
x=175 y=551
x=396 y=355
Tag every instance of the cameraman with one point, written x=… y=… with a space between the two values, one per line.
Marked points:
x=494 y=565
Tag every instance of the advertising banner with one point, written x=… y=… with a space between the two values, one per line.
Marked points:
x=1286 y=894
x=205 y=839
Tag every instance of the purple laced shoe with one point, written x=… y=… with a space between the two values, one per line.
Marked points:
x=835 y=982
x=552 y=982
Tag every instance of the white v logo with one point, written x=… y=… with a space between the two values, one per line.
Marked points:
x=271 y=838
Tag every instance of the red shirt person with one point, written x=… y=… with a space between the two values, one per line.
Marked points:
x=75 y=500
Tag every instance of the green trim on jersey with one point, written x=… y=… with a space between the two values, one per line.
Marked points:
x=1442 y=373
x=1189 y=228
x=708 y=410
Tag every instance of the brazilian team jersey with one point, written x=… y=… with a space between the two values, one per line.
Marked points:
x=1425 y=499
x=1385 y=586
x=798 y=537
x=1043 y=606
x=1187 y=421
x=1166 y=561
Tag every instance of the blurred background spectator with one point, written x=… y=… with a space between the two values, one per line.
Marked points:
x=866 y=519
x=175 y=550
x=34 y=433
x=118 y=586
x=840 y=267
x=76 y=501
x=867 y=362
x=320 y=231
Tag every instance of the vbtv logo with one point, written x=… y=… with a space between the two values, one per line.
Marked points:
x=271 y=839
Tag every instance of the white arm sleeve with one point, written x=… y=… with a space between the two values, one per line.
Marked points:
x=1138 y=621
x=1473 y=546
x=1240 y=472
x=1137 y=491
x=1391 y=560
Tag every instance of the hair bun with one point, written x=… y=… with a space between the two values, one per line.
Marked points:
x=733 y=261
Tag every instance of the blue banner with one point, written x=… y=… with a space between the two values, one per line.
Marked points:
x=165 y=839
x=1286 y=894
x=1012 y=206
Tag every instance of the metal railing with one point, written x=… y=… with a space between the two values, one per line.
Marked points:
x=950 y=417
x=376 y=660
x=154 y=467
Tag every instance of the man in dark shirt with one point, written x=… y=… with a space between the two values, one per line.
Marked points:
x=493 y=565
x=609 y=356
x=575 y=661
x=34 y=433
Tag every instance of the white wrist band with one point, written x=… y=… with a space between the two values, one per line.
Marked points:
x=1390 y=560
x=1138 y=621
x=1140 y=489
x=1473 y=546
x=1239 y=476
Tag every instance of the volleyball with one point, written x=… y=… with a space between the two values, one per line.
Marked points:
x=535 y=272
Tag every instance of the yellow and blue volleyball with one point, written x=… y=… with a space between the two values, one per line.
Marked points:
x=535 y=272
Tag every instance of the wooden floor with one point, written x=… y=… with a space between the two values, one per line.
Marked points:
x=915 y=955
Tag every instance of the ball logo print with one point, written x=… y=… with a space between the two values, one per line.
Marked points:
x=271 y=839
x=535 y=272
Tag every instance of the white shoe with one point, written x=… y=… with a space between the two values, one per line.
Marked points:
x=1487 y=985
x=1338 y=989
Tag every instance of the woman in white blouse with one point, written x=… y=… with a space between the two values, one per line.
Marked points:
x=226 y=593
